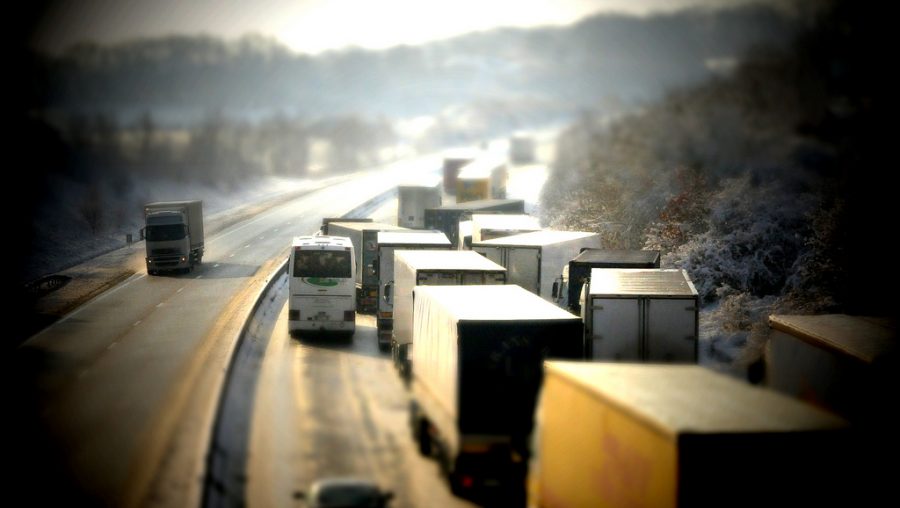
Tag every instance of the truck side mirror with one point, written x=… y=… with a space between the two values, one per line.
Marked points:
x=387 y=291
x=555 y=291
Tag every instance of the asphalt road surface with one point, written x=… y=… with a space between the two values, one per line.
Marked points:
x=111 y=404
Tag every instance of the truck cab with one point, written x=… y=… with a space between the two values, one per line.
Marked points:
x=174 y=235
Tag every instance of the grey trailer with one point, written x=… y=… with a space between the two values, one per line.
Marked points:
x=640 y=315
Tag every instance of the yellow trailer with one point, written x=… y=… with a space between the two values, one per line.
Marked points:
x=641 y=435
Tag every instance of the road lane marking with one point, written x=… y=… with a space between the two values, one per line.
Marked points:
x=111 y=345
x=180 y=289
x=248 y=245
x=137 y=322
x=160 y=304
x=101 y=296
x=216 y=265
x=197 y=277
x=231 y=256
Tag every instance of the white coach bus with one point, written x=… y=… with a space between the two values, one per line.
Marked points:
x=322 y=285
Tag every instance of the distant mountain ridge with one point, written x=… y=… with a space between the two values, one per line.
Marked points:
x=603 y=57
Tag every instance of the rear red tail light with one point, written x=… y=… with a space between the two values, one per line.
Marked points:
x=467 y=482
x=349 y=315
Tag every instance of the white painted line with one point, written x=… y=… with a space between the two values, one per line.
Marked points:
x=100 y=297
x=245 y=246
x=216 y=265
x=180 y=289
x=231 y=256
x=197 y=277
x=137 y=322
x=111 y=345
x=160 y=304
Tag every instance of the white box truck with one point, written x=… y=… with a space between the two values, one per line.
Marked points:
x=414 y=199
x=388 y=243
x=534 y=260
x=640 y=315
x=364 y=236
x=612 y=434
x=477 y=366
x=173 y=231
x=431 y=268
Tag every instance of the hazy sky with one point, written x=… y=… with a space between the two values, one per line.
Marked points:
x=312 y=26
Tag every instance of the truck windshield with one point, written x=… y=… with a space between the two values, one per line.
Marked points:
x=322 y=263
x=166 y=232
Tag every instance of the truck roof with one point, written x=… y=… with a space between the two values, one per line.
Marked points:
x=366 y=226
x=447 y=260
x=412 y=237
x=421 y=181
x=480 y=204
x=617 y=257
x=161 y=204
x=640 y=282
x=505 y=221
x=689 y=399
x=321 y=240
x=493 y=303
x=863 y=338
x=535 y=238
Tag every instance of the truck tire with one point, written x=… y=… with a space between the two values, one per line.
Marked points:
x=383 y=347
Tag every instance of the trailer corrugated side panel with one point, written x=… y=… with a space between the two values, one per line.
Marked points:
x=657 y=436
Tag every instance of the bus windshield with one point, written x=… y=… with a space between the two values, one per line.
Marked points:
x=322 y=263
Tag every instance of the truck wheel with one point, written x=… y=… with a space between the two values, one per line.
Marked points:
x=383 y=347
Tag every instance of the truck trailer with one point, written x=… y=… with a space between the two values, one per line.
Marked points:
x=477 y=366
x=640 y=315
x=364 y=236
x=657 y=436
x=448 y=217
x=536 y=259
x=173 y=231
x=414 y=199
x=431 y=268
x=388 y=243
x=578 y=270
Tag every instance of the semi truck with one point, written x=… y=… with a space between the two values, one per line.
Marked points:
x=640 y=315
x=388 y=243
x=414 y=199
x=364 y=236
x=173 y=231
x=534 y=260
x=578 y=270
x=477 y=366
x=448 y=217
x=612 y=434
x=483 y=178
x=430 y=268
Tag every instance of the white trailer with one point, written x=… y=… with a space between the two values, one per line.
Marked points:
x=414 y=199
x=431 y=268
x=640 y=315
x=536 y=259
x=388 y=243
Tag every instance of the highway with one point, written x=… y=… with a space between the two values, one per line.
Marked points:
x=111 y=405
x=322 y=407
